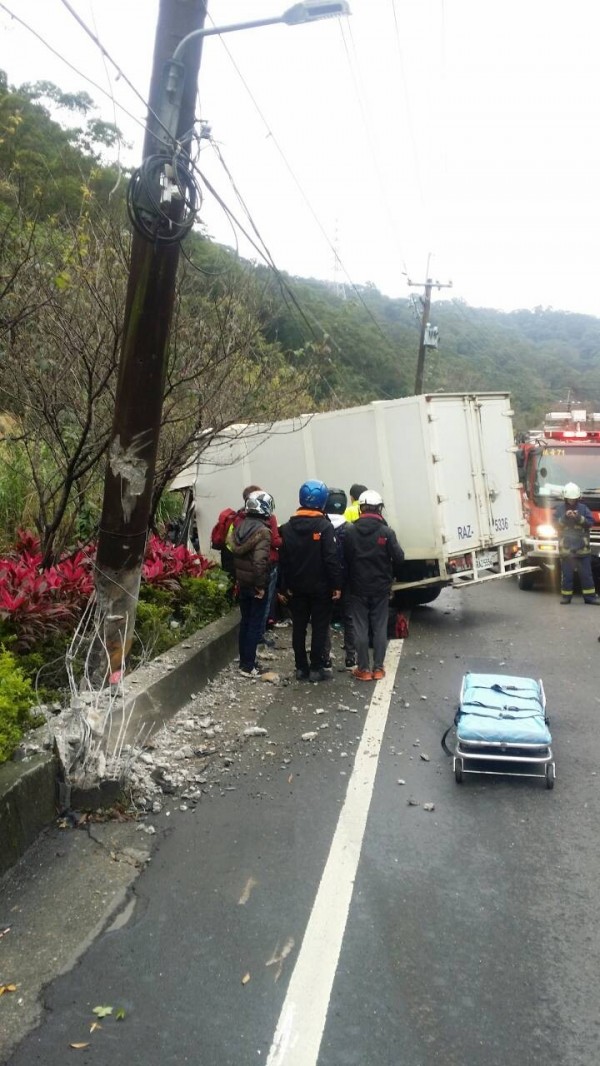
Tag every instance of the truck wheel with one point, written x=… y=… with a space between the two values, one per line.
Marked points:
x=416 y=597
x=526 y=582
x=458 y=772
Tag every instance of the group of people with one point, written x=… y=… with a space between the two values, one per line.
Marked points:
x=330 y=555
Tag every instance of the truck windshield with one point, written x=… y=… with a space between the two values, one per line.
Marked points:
x=554 y=467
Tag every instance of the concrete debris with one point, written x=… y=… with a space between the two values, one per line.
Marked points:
x=255 y=731
x=310 y=735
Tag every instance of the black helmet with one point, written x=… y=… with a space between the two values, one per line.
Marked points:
x=337 y=501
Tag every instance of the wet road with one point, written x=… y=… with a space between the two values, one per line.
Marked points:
x=313 y=917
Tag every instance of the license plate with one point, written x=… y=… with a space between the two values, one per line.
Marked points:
x=486 y=560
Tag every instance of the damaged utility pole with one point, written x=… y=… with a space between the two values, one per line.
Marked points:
x=160 y=193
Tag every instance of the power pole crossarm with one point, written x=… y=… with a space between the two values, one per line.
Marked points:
x=425 y=326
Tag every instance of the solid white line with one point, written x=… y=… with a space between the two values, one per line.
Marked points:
x=302 y=1020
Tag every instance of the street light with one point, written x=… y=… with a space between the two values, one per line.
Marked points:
x=305 y=11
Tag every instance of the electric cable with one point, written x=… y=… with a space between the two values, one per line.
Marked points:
x=121 y=74
x=147 y=214
x=71 y=66
x=288 y=166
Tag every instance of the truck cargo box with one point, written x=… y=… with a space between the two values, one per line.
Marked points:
x=444 y=464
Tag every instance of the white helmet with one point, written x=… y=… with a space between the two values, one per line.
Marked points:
x=370 y=500
x=260 y=503
x=571 y=491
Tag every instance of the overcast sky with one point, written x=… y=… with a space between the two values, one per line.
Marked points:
x=457 y=129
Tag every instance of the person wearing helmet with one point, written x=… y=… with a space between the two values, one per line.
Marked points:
x=310 y=579
x=273 y=525
x=352 y=510
x=335 y=508
x=574 y=520
x=373 y=557
x=250 y=545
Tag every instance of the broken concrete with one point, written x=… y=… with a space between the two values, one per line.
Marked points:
x=30 y=791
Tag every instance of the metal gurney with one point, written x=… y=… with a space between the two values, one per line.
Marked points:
x=502 y=728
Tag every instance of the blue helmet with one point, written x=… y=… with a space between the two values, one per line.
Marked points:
x=313 y=495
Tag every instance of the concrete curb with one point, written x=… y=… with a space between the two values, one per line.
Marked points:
x=29 y=789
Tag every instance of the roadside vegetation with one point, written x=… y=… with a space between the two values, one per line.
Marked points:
x=248 y=343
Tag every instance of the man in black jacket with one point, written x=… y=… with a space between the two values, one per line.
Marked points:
x=310 y=578
x=373 y=556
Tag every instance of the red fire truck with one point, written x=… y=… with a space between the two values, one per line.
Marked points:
x=566 y=449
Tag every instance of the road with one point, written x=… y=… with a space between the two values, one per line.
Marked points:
x=312 y=916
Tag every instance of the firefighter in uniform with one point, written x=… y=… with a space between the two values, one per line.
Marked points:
x=574 y=520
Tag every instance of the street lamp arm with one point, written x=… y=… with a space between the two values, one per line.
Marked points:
x=305 y=11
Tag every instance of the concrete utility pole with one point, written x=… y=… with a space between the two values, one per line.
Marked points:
x=148 y=311
x=427 y=334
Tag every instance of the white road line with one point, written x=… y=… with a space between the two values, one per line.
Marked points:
x=302 y=1020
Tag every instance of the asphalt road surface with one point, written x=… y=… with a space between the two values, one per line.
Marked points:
x=312 y=916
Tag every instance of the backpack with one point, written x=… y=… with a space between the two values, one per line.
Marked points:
x=218 y=535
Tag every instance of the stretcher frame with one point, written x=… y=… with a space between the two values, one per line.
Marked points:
x=505 y=753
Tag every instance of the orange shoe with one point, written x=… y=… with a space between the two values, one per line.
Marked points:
x=362 y=675
x=378 y=673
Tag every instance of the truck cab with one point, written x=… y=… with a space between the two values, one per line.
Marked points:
x=567 y=448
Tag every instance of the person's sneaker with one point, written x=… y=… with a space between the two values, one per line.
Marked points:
x=267 y=642
x=565 y=600
x=362 y=675
x=350 y=662
x=256 y=671
x=592 y=599
x=322 y=673
x=302 y=675
x=378 y=673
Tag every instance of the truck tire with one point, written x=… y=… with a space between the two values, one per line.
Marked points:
x=417 y=597
x=526 y=582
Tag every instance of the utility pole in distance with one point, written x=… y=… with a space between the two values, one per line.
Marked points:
x=148 y=312
x=425 y=327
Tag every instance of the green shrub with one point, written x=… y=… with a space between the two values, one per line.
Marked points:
x=203 y=599
x=16 y=699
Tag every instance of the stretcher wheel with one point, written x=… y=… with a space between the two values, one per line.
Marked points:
x=550 y=775
x=458 y=772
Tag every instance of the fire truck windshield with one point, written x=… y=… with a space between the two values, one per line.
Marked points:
x=553 y=467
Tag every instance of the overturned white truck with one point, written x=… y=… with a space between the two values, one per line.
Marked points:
x=444 y=464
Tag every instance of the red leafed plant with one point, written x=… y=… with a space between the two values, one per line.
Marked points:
x=165 y=563
x=36 y=604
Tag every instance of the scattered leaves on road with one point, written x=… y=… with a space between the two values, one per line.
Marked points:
x=7 y=988
x=102 y=1012
x=78 y=1047
x=245 y=978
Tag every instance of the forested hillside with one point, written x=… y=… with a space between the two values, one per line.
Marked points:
x=248 y=341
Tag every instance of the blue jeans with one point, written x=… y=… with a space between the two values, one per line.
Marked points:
x=252 y=611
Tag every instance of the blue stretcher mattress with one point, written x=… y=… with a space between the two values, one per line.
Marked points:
x=499 y=708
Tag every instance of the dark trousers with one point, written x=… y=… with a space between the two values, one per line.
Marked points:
x=370 y=611
x=252 y=611
x=569 y=566
x=344 y=610
x=317 y=611
x=268 y=600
